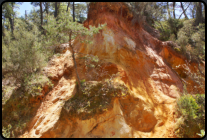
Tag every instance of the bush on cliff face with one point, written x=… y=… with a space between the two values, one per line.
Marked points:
x=95 y=98
x=20 y=103
x=35 y=83
x=21 y=108
x=6 y=131
x=191 y=108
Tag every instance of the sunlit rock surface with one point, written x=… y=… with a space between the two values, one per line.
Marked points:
x=146 y=65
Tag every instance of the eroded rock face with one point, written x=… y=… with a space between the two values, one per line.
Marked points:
x=145 y=66
x=187 y=71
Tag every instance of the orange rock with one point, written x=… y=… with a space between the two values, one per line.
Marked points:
x=145 y=64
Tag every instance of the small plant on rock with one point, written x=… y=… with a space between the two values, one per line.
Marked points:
x=202 y=134
x=35 y=82
x=6 y=131
x=95 y=98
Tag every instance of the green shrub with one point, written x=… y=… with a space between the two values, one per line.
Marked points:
x=182 y=41
x=202 y=134
x=169 y=29
x=174 y=25
x=177 y=49
x=24 y=52
x=6 y=131
x=35 y=83
x=95 y=98
x=83 y=81
x=191 y=108
x=189 y=35
x=172 y=38
x=188 y=106
x=164 y=29
x=6 y=93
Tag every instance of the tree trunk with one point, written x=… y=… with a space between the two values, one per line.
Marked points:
x=56 y=9
x=87 y=6
x=174 y=10
x=168 y=10
x=41 y=13
x=75 y=65
x=199 y=16
x=25 y=14
x=11 y=21
x=73 y=11
x=175 y=33
x=193 y=12
x=68 y=6
x=87 y=12
x=183 y=10
x=3 y=34
x=204 y=8
x=46 y=7
x=13 y=14
x=11 y=24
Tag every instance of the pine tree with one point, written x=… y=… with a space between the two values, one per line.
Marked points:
x=69 y=30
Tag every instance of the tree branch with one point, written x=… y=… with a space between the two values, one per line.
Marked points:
x=184 y=10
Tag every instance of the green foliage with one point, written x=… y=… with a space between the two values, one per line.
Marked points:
x=83 y=81
x=54 y=37
x=202 y=134
x=6 y=131
x=177 y=49
x=59 y=30
x=6 y=92
x=188 y=106
x=191 y=39
x=95 y=98
x=90 y=60
x=192 y=111
x=93 y=58
x=65 y=29
x=23 y=53
x=92 y=66
x=184 y=34
x=58 y=55
x=169 y=28
x=20 y=108
x=35 y=82
x=198 y=39
x=164 y=29
x=80 y=10
x=172 y=38
x=153 y=11
x=34 y=17
x=174 y=24
x=193 y=36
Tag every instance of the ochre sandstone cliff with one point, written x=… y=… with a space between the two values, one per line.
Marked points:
x=147 y=66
